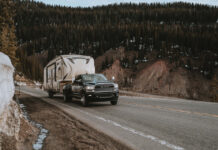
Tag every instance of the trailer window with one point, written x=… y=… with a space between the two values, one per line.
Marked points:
x=47 y=75
x=51 y=73
x=74 y=59
x=59 y=71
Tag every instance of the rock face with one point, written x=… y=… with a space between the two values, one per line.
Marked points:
x=164 y=79
x=158 y=79
x=115 y=71
x=161 y=78
x=110 y=55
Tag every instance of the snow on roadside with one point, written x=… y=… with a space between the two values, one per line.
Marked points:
x=37 y=83
x=9 y=110
x=11 y=115
x=20 y=83
x=6 y=81
x=42 y=134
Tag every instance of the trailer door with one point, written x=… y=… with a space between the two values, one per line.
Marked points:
x=51 y=76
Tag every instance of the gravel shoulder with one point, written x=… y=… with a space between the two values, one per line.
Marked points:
x=65 y=132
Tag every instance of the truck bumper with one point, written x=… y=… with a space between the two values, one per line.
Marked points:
x=102 y=96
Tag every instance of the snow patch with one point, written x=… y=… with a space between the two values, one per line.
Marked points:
x=37 y=83
x=6 y=81
x=20 y=83
x=9 y=110
x=43 y=132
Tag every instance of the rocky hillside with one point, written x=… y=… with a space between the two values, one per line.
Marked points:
x=156 y=77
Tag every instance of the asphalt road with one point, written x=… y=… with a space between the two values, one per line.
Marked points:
x=150 y=123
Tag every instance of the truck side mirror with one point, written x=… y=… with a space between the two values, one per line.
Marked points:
x=78 y=81
x=73 y=79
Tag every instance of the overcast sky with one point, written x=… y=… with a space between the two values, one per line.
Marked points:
x=91 y=3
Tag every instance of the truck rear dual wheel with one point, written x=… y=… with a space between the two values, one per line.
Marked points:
x=67 y=98
x=50 y=94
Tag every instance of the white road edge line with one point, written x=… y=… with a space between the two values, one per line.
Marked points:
x=150 y=137
x=155 y=99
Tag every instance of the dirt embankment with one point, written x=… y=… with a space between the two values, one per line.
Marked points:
x=111 y=56
x=20 y=134
x=64 y=131
x=115 y=71
x=159 y=77
x=162 y=79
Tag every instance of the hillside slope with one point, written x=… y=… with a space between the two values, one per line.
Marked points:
x=171 y=31
x=158 y=77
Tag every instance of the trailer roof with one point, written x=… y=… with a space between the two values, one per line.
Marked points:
x=68 y=56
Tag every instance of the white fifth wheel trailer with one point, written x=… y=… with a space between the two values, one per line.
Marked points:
x=63 y=69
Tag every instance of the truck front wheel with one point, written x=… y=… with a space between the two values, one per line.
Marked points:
x=67 y=98
x=84 y=101
x=114 y=102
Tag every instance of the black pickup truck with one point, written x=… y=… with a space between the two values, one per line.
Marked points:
x=92 y=88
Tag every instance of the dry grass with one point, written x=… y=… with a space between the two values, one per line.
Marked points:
x=215 y=89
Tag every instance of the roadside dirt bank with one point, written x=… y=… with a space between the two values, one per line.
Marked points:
x=25 y=138
x=64 y=131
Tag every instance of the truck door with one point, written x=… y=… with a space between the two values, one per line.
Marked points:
x=77 y=87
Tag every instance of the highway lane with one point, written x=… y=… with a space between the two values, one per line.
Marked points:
x=148 y=122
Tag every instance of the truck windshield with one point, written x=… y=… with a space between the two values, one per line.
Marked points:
x=94 y=78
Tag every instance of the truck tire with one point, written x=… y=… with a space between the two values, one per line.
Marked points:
x=50 y=94
x=114 y=102
x=67 y=98
x=84 y=101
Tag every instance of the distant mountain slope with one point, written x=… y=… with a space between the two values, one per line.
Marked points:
x=183 y=34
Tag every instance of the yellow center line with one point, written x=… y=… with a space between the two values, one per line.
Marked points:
x=174 y=110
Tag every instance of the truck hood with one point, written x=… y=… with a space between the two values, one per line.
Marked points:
x=96 y=83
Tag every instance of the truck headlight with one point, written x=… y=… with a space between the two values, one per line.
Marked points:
x=90 y=88
x=116 y=87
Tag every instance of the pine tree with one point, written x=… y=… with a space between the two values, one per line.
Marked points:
x=8 y=44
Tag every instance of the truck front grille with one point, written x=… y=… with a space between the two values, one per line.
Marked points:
x=104 y=87
x=105 y=95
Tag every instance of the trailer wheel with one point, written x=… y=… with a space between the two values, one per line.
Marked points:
x=50 y=94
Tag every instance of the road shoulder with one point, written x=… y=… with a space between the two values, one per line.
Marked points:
x=66 y=132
